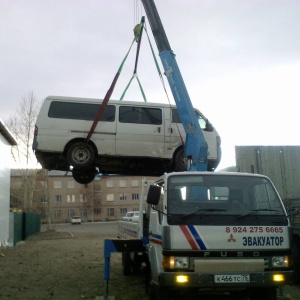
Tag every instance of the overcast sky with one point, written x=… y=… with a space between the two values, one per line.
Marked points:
x=240 y=59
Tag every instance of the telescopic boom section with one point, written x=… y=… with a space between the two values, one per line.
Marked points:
x=195 y=147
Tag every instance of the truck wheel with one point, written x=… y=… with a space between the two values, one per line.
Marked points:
x=157 y=292
x=126 y=263
x=80 y=155
x=83 y=176
x=296 y=254
x=180 y=162
x=269 y=293
x=160 y=293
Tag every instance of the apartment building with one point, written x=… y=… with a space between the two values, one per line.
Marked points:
x=58 y=195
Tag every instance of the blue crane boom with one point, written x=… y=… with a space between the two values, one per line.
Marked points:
x=195 y=148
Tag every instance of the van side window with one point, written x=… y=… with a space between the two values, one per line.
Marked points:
x=80 y=111
x=140 y=115
x=205 y=125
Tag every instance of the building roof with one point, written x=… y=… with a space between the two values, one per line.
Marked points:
x=17 y=172
x=7 y=134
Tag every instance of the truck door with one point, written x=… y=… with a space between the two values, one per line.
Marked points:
x=140 y=131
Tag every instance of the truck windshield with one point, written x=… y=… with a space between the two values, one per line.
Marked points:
x=200 y=198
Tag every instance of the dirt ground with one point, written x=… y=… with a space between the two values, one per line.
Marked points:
x=60 y=265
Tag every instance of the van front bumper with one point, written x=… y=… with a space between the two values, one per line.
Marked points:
x=197 y=280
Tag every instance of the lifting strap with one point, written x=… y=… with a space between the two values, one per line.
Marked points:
x=109 y=92
x=138 y=34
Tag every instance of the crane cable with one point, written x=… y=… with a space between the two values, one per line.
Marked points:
x=162 y=81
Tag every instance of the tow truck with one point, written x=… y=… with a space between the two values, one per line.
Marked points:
x=204 y=232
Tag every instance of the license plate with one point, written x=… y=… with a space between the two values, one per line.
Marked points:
x=232 y=278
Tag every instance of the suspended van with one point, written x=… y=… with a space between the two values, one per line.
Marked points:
x=134 y=138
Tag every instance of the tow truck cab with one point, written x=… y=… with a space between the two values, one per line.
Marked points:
x=218 y=231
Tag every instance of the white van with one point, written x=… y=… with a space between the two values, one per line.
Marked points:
x=132 y=216
x=134 y=138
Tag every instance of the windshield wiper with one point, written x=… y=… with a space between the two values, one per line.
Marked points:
x=202 y=210
x=254 y=211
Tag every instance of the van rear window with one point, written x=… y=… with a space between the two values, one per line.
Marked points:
x=140 y=115
x=80 y=111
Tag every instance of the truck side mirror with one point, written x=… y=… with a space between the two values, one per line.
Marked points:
x=153 y=195
x=293 y=212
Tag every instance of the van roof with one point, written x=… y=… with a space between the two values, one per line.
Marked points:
x=95 y=100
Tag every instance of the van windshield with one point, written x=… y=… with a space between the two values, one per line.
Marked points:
x=204 y=124
x=201 y=198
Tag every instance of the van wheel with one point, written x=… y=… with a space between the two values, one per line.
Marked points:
x=84 y=176
x=80 y=155
x=180 y=162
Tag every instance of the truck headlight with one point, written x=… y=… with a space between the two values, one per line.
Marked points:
x=280 y=261
x=175 y=262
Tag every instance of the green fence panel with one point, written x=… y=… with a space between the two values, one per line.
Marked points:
x=17 y=228
x=32 y=224
x=25 y=225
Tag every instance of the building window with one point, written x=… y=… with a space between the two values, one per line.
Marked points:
x=134 y=183
x=44 y=214
x=57 y=214
x=83 y=197
x=97 y=187
x=57 y=198
x=97 y=195
x=123 y=197
x=122 y=183
x=83 y=213
x=71 y=213
x=109 y=183
x=123 y=211
x=135 y=196
x=17 y=184
x=44 y=199
x=97 y=211
x=70 y=198
x=15 y=200
x=57 y=184
x=110 y=197
x=110 y=211
x=71 y=184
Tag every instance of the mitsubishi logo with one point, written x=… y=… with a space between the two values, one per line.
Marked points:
x=231 y=239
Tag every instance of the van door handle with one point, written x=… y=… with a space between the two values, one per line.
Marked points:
x=171 y=130
x=158 y=129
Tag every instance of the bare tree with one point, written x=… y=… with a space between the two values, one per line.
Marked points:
x=21 y=124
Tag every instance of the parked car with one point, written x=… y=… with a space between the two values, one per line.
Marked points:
x=132 y=216
x=75 y=220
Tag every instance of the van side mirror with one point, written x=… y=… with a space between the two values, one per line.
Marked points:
x=153 y=194
x=209 y=126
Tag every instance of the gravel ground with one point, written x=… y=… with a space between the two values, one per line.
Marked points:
x=61 y=265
